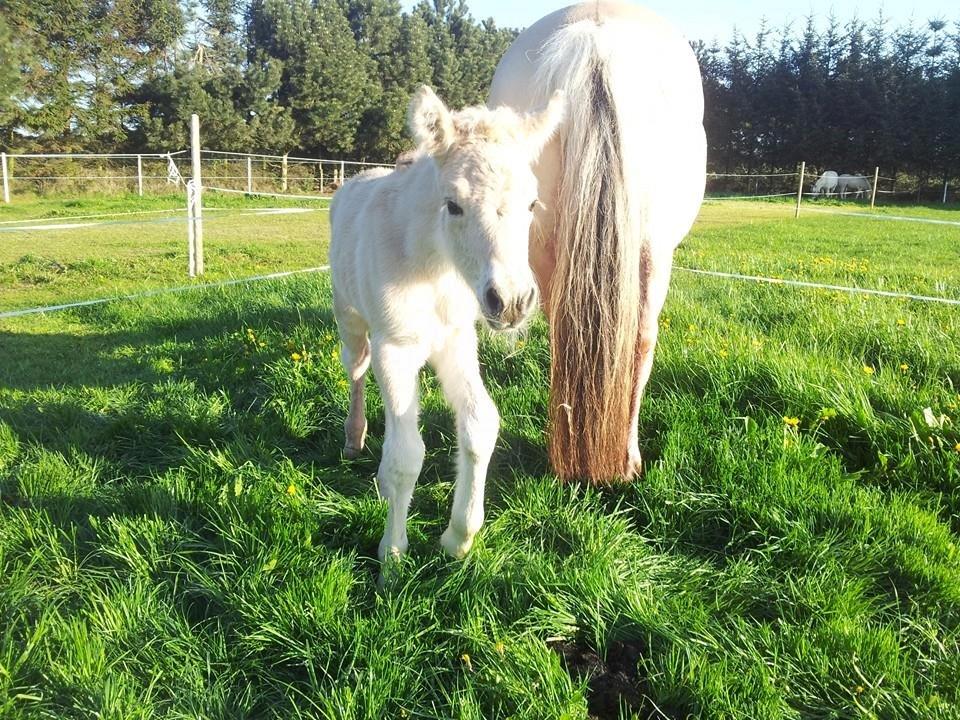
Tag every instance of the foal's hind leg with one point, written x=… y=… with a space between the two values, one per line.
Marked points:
x=355 y=356
x=654 y=281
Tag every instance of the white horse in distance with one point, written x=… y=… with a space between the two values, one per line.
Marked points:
x=826 y=184
x=417 y=255
x=856 y=185
x=621 y=185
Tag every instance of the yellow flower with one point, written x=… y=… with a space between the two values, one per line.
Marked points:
x=957 y=447
x=291 y=489
x=901 y=322
x=261 y=344
x=296 y=357
x=722 y=353
x=791 y=421
x=867 y=370
x=827 y=414
x=904 y=367
x=500 y=648
x=691 y=327
x=466 y=661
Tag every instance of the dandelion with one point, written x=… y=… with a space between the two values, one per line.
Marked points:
x=291 y=489
x=957 y=447
x=901 y=322
x=904 y=367
x=466 y=661
x=859 y=689
x=296 y=357
x=722 y=353
x=868 y=370
x=261 y=344
x=791 y=422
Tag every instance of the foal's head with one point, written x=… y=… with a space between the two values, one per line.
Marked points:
x=486 y=196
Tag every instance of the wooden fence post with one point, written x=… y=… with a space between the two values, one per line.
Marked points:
x=342 y=167
x=140 y=175
x=283 y=174
x=196 y=267
x=803 y=170
x=249 y=175
x=873 y=193
x=6 y=179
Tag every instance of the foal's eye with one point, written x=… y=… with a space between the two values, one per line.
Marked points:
x=453 y=208
x=533 y=205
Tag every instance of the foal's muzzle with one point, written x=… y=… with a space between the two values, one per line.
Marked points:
x=508 y=313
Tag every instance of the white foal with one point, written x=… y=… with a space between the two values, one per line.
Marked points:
x=417 y=256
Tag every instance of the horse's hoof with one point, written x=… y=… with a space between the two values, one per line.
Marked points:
x=456 y=544
x=634 y=466
x=351 y=453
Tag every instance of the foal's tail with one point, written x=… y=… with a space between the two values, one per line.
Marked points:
x=595 y=292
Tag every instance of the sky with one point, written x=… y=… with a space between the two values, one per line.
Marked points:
x=715 y=19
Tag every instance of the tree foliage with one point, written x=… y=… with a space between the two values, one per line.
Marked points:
x=850 y=97
x=333 y=78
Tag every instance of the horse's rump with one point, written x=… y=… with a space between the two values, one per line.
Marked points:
x=614 y=217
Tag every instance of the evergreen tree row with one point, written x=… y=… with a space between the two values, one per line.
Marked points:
x=332 y=78
x=852 y=97
x=327 y=78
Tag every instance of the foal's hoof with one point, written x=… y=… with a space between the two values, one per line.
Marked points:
x=351 y=453
x=456 y=544
x=634 y=465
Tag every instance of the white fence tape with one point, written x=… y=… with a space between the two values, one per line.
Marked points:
x=161 y=291
x=821 y=286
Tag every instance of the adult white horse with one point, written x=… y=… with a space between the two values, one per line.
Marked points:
x=621 y=185
x=826 y=184
x=417 y=255
x=856 y=185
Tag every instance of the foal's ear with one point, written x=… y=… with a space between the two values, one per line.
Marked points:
x=431 y=124
x=540 y=128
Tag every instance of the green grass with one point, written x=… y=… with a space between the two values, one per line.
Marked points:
x=123 y=254
x=179 y=536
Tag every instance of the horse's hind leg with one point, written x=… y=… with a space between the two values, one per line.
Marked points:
x=654 y=281
x=355 y=356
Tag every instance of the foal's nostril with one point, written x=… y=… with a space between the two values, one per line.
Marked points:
x=494 y=302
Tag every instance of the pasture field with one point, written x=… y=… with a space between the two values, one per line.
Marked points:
x=180 y=538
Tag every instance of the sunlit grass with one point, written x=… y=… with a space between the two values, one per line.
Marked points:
x=179 y=536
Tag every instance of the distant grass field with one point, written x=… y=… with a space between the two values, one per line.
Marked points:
x=179 y=536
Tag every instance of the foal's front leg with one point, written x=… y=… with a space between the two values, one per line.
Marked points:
x=397 y=369
x=477 y=426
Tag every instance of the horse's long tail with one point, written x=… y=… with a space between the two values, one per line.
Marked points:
x=595 y=292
